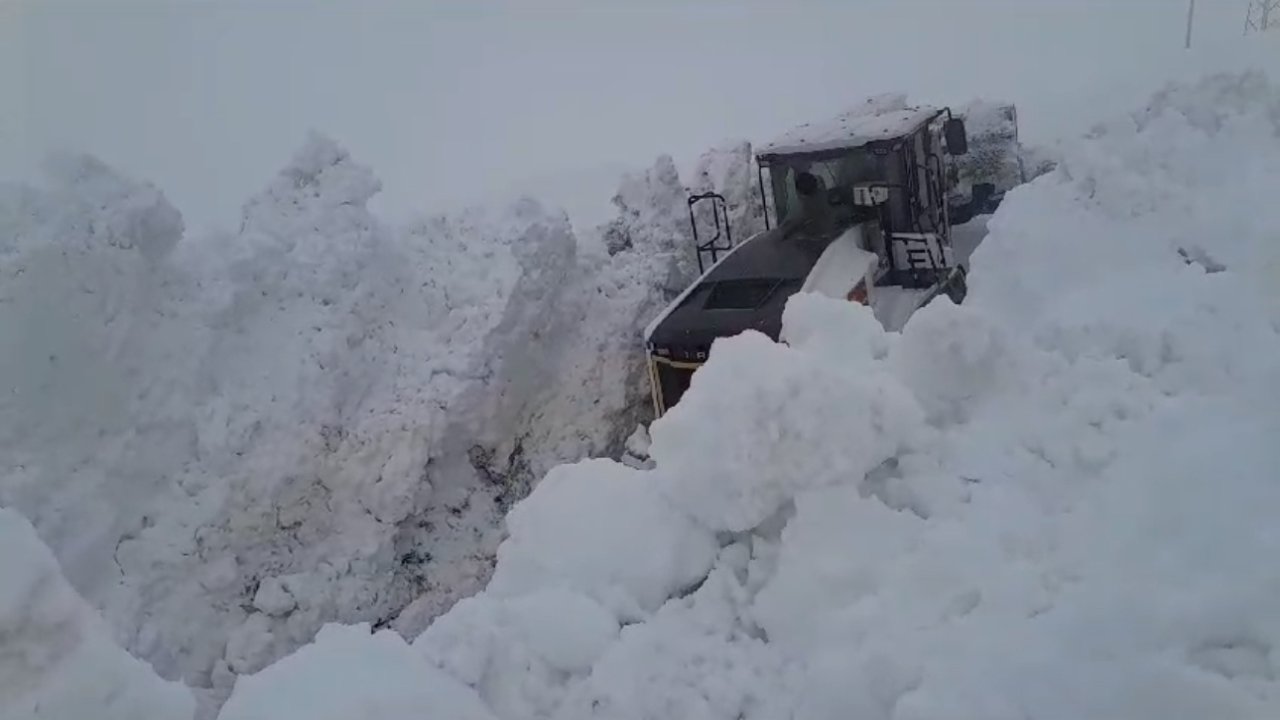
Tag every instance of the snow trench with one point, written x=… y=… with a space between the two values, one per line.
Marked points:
x=1055 y=501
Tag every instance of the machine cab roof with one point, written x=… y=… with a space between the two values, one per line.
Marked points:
x=848 y=131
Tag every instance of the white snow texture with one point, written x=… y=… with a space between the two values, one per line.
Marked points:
x=1056 y=501
x=58 y=660
x=230 y=440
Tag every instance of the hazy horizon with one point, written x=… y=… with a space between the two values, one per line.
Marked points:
x=451 y=103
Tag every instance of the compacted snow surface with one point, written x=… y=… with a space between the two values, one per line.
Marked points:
x=1056 y=501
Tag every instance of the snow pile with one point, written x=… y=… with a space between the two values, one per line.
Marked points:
x=1055 y=501
x=544 y=545
x=231 y=440
x=83 y=266
x=348 y=369
x=58 y=660
x=733 y=481
x=381 y=677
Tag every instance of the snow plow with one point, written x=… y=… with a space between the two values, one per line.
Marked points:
x=861 y=213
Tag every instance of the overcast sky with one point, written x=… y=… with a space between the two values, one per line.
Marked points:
x=453 y=102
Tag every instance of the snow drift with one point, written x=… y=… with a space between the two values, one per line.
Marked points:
x=231 y=440
x=253 y=434
x=1056 y=501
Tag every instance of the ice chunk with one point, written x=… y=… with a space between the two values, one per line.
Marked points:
x=604 y=530
x=273 y=598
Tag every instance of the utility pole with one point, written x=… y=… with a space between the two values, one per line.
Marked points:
x=1258 y=16
x=1191 y=16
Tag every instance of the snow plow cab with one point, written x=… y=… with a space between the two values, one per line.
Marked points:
x=860 y=211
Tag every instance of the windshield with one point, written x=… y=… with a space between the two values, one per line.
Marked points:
x=856 y=167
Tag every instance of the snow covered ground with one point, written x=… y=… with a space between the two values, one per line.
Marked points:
x=1055 y=501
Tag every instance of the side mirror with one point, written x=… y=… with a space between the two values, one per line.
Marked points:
x=957 y=139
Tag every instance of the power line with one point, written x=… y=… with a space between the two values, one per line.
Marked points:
x=1191 y=16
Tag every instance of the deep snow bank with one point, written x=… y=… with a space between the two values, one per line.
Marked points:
x=1056 y=501
x=231 y=440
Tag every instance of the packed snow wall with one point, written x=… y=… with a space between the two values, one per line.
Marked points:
x=229 y=440
x=1056 y=501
